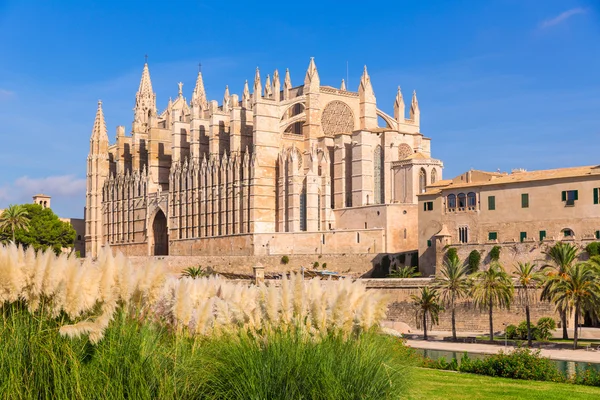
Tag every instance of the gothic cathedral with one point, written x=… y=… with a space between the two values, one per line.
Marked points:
x=306 y=169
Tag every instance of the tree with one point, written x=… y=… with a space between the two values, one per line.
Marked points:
x=562 y=255
x=15 y=217
x=578 y=288
x=405 y=272
x=452 y=284
x=529 y=279
x=492 y=288
x=474 y=260
x=45 y=230
x=427 y=304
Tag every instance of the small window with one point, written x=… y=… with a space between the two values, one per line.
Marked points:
x=568 y=233
x=428 y=206
x=569 y=197
x=597 y=234
x=78 y=237
x=491 y=203
x=596 y=196
x=357 y=237
x=525 y=200
x=451 y=201
x=462 y=201
x=429 y=243
x=542 y=235
x=522 y=236
x=493 y=236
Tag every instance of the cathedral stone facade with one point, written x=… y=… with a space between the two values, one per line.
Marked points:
x=280 y=170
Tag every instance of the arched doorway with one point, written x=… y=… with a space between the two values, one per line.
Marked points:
x=161 y=238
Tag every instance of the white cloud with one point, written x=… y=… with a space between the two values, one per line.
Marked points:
x=23 y=188
x=562 y=17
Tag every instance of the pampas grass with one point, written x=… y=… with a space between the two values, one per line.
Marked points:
x=89 y=294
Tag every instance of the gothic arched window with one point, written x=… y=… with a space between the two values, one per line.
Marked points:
x=471 y=200
x=433 y=176
x=422 y=180
x=451 y=201
x=378 y=175
x=303 y=208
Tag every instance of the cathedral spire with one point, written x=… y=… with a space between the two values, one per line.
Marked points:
x=226 y=99
x=287 y=85
x=399 y=107
x=311 y=78
x=415 y=113
x=199 y=95
x=365 y=84
x=276 y=85
x=257 y=85
x=99 y=131
x=145 y=102
x=246 y=96
x=268 y=88
x=343 y=85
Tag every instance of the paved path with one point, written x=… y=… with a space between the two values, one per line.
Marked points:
x=555 y=354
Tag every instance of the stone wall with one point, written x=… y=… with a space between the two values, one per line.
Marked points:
x=468 y=317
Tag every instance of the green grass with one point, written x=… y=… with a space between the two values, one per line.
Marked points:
x=430 y=384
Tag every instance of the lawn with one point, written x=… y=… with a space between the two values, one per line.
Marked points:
x=436 y=384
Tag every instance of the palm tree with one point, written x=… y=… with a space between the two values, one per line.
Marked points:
x=13 y=218
x=579 y=288
x=562 y=255
x=492 y=288
x=427 y=303
x=405 y=272
x=528 y=278
x=453 y=284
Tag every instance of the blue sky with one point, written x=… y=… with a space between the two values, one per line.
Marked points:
x=502 y=84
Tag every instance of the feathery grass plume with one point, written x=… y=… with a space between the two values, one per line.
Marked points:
x=272 y=307
x=182 y=308
x=204 y=317
x=286 y=301
x=299 y=302
x=12 y=279
x=318 y=306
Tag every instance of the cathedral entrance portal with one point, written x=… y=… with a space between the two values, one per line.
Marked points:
x=161 y=238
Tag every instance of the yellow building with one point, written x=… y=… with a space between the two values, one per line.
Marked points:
x=520 y=212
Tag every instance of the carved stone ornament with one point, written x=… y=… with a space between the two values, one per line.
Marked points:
x=337 y=117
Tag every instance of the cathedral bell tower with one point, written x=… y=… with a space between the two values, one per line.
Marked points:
x=97 y=173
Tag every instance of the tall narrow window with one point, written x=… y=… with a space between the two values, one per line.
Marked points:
x=378 y=175
x=491 y=202
x=303 y=209
x=524 y=200
x=348 y=177
x=462 y=201
x=422 y=180
x=433 y=176
x=463 y=234
x=319 y=211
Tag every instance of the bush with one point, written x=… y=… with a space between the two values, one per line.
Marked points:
x=593 y=249
x=518 y=364
x=405 y=272
x=316 y=265
x=287 y=366
x=495 y=253
x=544 y=328
x=285 y=260
x=324 y=265
x=474 y=260
x=511 y=332
x=452 y=254
x=522 y=331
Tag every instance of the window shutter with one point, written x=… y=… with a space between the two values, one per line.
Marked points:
x=425 y=206
x=491 y=202
x=542 y=235
x=576 y=194
x=597 y=234
x=523 y=236
x=595 y=195
x=429 y=243
x=564 y=195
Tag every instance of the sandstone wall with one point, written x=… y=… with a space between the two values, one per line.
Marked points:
x=468 y=317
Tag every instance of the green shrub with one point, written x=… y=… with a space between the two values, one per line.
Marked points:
x=474 y=260
x=522 y=331
x=195 y=272
x=452 y=254
x=495 y=253
x=544 y=328
x=405 y=272
x=593 y=249
x=519 y=364
x=285 y=260
x=324 y=265
x=316 y=265
x=589 y=376
x=289 y=366
x=511 y=332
